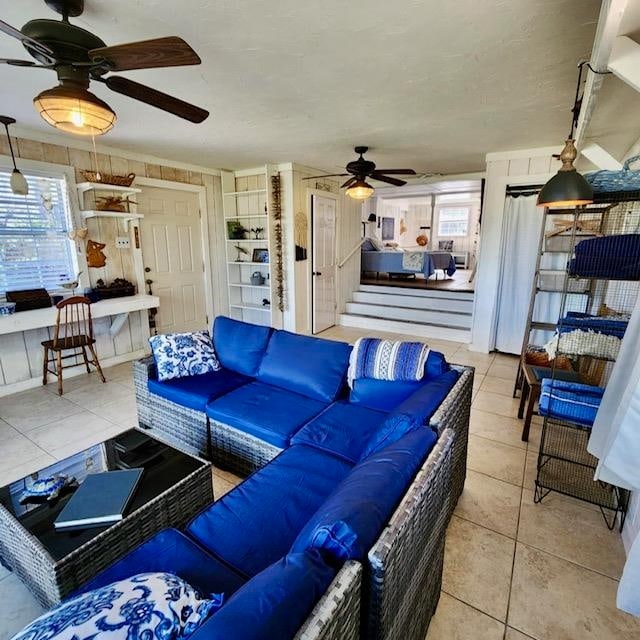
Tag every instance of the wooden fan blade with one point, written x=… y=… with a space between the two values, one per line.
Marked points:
x=156 y=98
x=348 y=183
x=18 y=63
x=33 y=44
x=406 y=172
x=393 y=181
x=147 y=54
x=329 y=175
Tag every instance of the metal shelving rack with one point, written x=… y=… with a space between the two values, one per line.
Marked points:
x=564 y=464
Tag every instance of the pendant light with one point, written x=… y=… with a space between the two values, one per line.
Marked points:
x=18 y=182
x=568 y=188
x=75 y=110
x=360 y=190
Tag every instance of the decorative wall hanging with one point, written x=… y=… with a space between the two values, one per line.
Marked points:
x=403 y=227
x=277 y=232
x=300 y=232
x=388 y=228
x=422 y=240
x=95 y=256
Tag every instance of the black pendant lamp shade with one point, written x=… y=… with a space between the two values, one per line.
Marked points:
x=567 y=188
x=372 y=217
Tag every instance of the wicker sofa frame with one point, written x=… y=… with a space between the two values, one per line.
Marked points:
x=398 y=588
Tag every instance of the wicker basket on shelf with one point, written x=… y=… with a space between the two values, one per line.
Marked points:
x=541 y=359
x=108 y=178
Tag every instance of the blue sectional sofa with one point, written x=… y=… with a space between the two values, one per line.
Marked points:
x=338 y=530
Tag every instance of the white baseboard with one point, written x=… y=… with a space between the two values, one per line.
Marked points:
x=71 y=372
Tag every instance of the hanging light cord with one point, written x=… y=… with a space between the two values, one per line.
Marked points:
x=577 y=102
x=13 y=157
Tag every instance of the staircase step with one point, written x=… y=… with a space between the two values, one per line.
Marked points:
x=414 y=302
x=406 y=328
x=422 y=293
x=440 y=318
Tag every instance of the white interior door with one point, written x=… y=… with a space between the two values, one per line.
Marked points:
x=173 y=257
x=323 y=213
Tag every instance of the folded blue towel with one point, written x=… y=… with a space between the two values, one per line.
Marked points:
x=570 y=401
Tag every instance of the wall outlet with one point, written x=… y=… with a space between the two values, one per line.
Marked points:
x=122 y=242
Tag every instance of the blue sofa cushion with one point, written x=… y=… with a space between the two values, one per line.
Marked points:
x=386 y=396
x=273 y=605
x=195 y=391
x=267 y=412
x=353 y=516
x=240 y=346
x=313 y=367
x=342 y=429
x=170 y=551
x=393 y=428
x=254 y=524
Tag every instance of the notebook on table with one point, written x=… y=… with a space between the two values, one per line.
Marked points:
x=100 y=501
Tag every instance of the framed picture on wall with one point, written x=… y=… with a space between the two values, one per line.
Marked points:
x=260 y=255
x=388 y=228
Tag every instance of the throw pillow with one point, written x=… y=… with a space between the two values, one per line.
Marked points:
x=377 y=244
x=178 y=355
x=156 y=606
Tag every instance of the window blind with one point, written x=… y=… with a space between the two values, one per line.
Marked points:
x=35 y=250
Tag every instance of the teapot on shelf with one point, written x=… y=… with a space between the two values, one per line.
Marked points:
x=257 y=279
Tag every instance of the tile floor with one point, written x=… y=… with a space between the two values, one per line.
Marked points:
x=513 y=570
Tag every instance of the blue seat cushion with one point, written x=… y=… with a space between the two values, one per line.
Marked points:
x=275 y=604
x=342 y=429
x=313 y=367
x=267 y=412
x=172 y=552
x=353 y=516
x=194 y=392
x=240 y=346
x=254 y=524
x=386 y=395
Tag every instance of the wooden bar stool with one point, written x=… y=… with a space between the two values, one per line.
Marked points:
x=73 y=332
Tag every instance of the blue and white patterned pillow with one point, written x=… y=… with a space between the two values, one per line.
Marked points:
x=149 y=606
x=178 y=355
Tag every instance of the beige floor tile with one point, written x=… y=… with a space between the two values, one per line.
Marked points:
x=72 y=383
x=573 y=531
x=455 y=620
x=477 y=567
x=11 y=473
x=93 y=396
x=19 y=607
x=67 y=432
x=530 y=471
x=122 y=412
x=34 y=408
x=552 y=599
x=221 y=486
x=16 y=448
x=120 y=372
x=514 y=634
x=507 y=358
x=88 y=441
x=504 y=370
x=495 y=427
x=495 y=459
x=491 y=503
x=229 y=477
x=479 y=364
x=503 y=405
x=497 y=385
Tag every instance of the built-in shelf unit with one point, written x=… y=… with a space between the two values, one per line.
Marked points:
x=246 y=204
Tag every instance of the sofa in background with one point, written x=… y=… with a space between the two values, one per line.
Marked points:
x=280 y=412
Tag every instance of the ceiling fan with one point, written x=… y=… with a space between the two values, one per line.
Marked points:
x=79 y=57
x=361 y=169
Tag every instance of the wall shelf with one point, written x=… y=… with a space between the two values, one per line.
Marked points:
x=249 y=286
x=120 y=215
x=243 y=193
x=83 y=187
x=251 y=307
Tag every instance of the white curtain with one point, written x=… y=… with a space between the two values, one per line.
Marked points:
x=521 y=226
x=615 y=441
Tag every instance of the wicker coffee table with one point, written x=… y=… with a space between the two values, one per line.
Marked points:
x=53 y=564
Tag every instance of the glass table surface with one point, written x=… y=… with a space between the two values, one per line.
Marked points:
x=163 y=466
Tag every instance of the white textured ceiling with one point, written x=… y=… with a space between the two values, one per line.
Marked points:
x=428 y=84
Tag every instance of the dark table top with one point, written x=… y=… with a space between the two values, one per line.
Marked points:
x=163 y=467
x=547 y=372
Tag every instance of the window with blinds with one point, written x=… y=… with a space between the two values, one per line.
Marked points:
x=35 y=250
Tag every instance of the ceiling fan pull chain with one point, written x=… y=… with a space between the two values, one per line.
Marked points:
x=95 y=155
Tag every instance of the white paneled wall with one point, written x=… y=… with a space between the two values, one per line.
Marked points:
x=531 y=166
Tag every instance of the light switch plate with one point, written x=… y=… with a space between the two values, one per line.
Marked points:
x=122 y=242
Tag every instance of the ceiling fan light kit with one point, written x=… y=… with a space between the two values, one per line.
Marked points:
x=75 y=110
x=360 y=190
x=17 y=181
x=79 y=57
